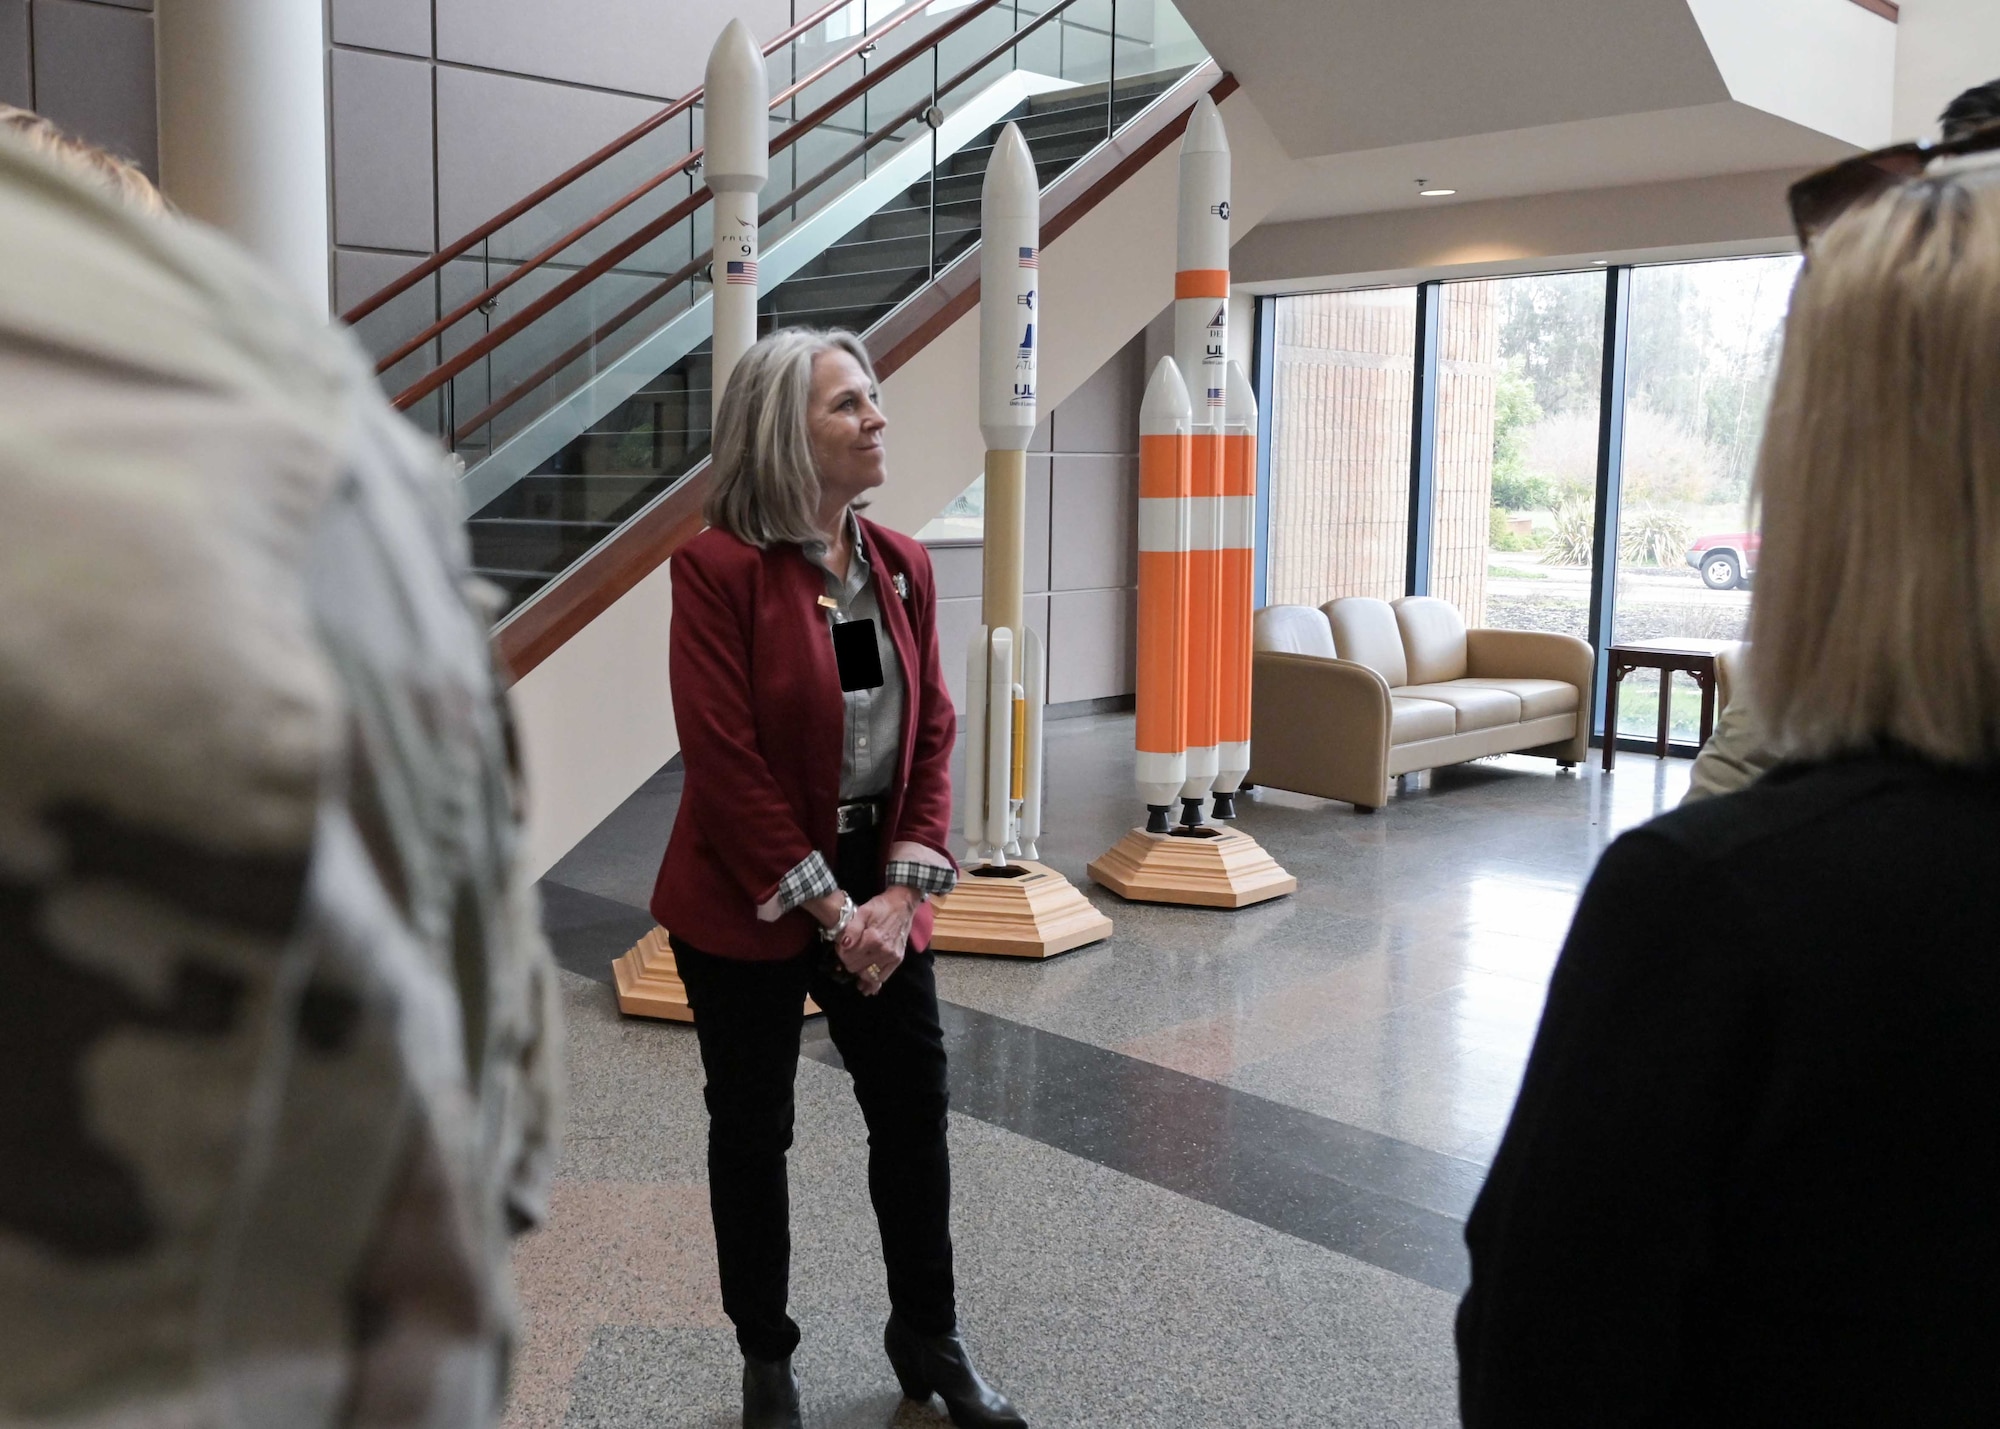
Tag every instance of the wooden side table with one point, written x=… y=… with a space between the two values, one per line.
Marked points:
x=1696 y=657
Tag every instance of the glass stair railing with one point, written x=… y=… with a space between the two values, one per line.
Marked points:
x=585 y=396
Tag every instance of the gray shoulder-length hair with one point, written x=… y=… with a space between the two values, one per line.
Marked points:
x=766 y=490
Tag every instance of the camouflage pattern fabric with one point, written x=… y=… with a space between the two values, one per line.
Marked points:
x=278 y=1047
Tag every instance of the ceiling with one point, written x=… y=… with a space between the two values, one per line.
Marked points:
x=1503 y=98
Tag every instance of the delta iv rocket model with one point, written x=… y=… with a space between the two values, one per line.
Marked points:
x=1004 y=664
x=737 y=161
x=1197 y=480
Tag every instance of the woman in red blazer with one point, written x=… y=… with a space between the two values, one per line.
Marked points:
x=816 y=733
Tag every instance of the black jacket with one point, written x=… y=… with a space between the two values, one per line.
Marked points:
x=1752 y=1177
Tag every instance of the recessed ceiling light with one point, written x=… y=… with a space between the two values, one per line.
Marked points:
x=1427 y=189
x=1602 y=262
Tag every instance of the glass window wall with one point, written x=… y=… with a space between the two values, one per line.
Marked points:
x=1701 y=357
x=1342 y=382
x=1520 y=364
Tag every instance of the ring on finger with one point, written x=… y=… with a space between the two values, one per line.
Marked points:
x=872 y=973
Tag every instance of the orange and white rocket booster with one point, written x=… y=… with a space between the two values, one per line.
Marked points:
x=1239 y=586
x=1005 y=670
x=1165 y=448
x=1201 y=346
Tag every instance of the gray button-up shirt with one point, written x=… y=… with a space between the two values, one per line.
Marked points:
x=873 y=726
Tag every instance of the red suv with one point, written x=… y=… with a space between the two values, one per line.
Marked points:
x=1725 y=562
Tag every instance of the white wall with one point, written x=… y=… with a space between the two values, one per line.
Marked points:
x=1827 y=64
x=596 y=719
x=1943 y=47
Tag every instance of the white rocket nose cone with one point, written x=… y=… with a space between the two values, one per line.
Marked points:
x=1010 y=189
x=1205 y=134
x=737 y=97
x=1242 y=399
x=1165 y=407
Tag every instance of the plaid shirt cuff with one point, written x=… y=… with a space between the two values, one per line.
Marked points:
x=809 y=879
x=927 y=878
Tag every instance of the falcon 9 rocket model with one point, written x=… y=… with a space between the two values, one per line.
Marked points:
x=737 y=161
x=1201 y=347
x=1003 y=811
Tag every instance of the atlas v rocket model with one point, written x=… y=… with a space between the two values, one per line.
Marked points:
x=1197 y=474
x=737 y=162
x=1005 y=670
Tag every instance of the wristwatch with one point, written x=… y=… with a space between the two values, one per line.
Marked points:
x=832 y=932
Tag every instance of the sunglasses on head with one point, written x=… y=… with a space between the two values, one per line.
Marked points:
x=1817 y=200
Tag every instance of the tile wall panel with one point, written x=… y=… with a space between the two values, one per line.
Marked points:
x=400 y=25
x=649 y=47
x=94 y=76
x=382 y=152
x=1092 y=656
x=1095 y=521
x=17 y=65
x=500 y=137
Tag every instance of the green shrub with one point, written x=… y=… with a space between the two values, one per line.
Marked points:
x=1570 y=540
x=1653 y=537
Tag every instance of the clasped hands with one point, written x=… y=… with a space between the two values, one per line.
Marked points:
x=872 y=944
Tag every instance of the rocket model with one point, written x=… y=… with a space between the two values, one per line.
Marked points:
x=1201 y=348
x=737 y=162
x=1004 y=665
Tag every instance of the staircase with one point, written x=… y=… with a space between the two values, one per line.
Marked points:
x=548 y=520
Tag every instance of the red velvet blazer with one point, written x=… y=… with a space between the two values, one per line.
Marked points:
x=757 y=701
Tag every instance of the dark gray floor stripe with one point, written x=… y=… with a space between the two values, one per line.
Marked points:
x=587 y=932
x=1370 y=1196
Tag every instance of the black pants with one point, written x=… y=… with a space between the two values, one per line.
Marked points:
x=747 y=1016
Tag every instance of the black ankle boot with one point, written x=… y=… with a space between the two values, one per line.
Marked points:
x=770 y=1394
x=938 y=1364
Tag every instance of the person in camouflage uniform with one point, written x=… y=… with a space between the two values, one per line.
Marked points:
x=278 y=1047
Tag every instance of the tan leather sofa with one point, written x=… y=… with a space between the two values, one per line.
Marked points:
x=1350 y=695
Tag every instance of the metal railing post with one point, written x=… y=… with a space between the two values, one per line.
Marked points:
x=1610 y=478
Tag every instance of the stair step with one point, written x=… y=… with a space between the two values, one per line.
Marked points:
x=547 y=496
x=511 y=543
x=846 y=290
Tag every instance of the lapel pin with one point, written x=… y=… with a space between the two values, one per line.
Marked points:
x=902 y=584
x=829 y=602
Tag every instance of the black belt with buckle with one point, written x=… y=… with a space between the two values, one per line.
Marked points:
x=860 y=815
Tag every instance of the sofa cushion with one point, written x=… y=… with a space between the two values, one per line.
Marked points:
x=1365 y=632
x=1538 y=697
x=1433 y=634
x=1477 y=707
x=1293 y=630
x=1412 y=720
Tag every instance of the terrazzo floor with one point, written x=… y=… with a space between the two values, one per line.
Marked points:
x=1211 y=1172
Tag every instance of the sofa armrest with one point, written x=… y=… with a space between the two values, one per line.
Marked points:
x=1320 y=727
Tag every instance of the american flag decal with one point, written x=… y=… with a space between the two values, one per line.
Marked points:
x=1028 y=258
x=741 y=272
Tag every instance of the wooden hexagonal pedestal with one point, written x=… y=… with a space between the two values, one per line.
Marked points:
x=1215 y=868
x=649 y=984
x=1026 y=910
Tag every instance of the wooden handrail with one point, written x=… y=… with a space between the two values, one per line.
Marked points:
x=458 y=247
x=1887 y=9
x=538 y=629
x=604 y=262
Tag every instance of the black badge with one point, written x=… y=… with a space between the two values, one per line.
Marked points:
x=859 y=657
